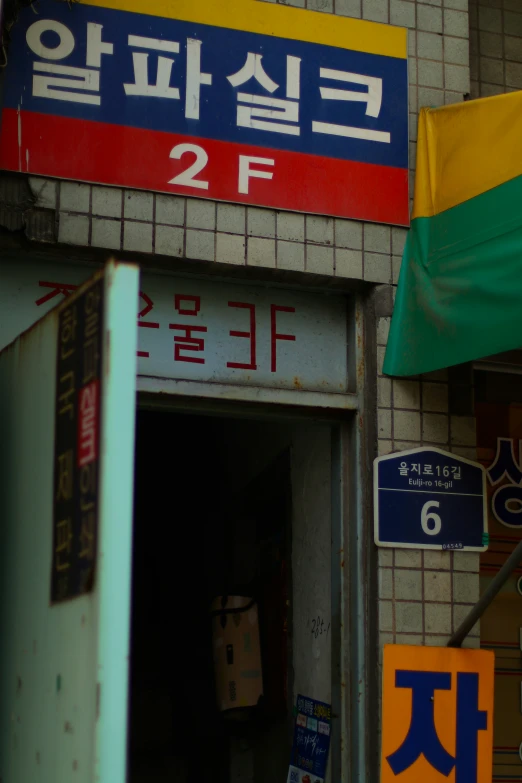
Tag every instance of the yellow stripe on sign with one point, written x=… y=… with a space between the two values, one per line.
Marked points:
x=255 y=16
x=465 y=149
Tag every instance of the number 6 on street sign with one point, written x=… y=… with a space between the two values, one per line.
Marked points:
x=427 y=498
x=428 y=516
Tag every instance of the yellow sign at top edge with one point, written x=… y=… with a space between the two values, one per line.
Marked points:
x=255 y=16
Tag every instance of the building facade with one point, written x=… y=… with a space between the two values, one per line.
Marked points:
x=457 y=50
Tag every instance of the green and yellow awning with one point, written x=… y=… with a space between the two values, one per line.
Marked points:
x=459 y=296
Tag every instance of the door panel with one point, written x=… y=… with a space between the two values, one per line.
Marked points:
x=64 y=666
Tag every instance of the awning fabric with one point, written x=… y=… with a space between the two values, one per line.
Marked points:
x=459 y=296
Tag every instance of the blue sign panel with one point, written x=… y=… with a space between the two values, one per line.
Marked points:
x=428 y=499
x=236 y=101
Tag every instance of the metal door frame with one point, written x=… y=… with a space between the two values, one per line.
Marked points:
x=354 y=756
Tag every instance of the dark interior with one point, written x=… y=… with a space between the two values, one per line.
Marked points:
x=499 y=388
x=207 y=523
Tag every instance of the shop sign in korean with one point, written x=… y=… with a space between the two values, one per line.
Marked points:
x=241 y=101
x=204 y=330
x=499 y=441
x=437 y=715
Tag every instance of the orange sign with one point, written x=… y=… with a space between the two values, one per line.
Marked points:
x=437 y=715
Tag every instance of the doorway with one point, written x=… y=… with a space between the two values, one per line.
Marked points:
x=226 y=508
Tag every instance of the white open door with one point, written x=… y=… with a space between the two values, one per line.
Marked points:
x=67 y=412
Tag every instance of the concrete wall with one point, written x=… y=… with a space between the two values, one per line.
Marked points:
x=425 y=595
x=311 y=561
x=496 y=46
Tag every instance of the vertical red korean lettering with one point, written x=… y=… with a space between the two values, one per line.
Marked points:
x=251 y=335
x=187 y=342
x=275 y=335
x=88 y=423
x=147 y=324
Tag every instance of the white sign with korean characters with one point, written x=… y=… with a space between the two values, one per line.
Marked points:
x=200 y=330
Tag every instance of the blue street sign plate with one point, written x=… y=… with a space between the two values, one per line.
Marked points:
x=428 y=499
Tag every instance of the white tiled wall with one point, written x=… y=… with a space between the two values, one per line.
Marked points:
x=496 y=46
